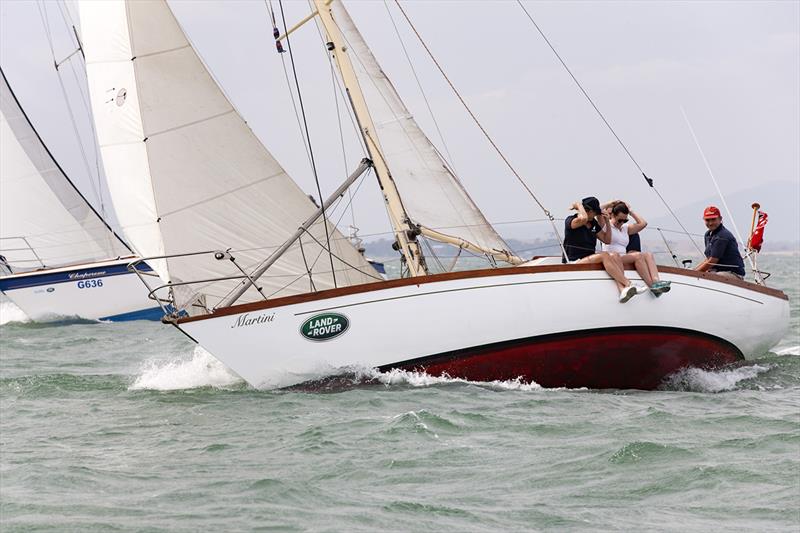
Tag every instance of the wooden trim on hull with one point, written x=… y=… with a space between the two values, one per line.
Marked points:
x=466 y=274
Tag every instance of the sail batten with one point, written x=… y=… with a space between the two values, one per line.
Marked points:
x=45 y=221
x=194 y=176
x=431 y=194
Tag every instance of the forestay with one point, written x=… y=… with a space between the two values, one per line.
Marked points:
x=184 y=170
x=432 y=195
x=44 y=219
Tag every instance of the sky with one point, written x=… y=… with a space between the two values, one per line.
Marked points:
x=734 y=67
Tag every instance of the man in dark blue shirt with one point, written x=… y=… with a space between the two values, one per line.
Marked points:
x=722 y=252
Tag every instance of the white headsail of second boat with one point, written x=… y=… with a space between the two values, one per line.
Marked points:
x=44 y=220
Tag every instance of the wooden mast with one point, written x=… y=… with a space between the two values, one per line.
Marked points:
x=405 y=232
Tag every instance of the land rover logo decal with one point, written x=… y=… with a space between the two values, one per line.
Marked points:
x=324 y=327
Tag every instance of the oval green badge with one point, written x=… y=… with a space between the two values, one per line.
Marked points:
x=324 y=326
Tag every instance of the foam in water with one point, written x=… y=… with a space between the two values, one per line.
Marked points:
x=11 y=313
x=421 y=379
x=791 y=350
x=199 y=369
x=697 y=380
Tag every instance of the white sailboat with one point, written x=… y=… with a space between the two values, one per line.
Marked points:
x=208 y=185
x=59 y=258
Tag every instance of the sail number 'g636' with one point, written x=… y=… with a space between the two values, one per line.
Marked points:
x=324 y=327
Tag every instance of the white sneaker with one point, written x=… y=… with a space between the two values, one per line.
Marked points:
x=641 y=289
x=627 y=293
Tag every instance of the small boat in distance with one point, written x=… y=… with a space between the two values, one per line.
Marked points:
x=278 y=318
x=58 y=257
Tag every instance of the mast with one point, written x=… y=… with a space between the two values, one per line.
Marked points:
x=405 y=231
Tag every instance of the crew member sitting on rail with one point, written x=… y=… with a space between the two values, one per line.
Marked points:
x=581 y=232
x=722 y=251
x=621 y=232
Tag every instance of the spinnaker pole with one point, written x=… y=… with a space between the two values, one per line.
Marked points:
x=257 y=273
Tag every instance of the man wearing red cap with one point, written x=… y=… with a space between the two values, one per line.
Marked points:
x=722 y=252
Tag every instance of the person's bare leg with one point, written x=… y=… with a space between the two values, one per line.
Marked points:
x=613 y=265
x=640 y=263
x=614 y=268
x=651 y=266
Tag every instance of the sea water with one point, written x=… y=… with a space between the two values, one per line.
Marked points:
x=130 y=427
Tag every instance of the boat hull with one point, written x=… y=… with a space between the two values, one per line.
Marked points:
x=96 y=291
x=614 y=358
x=558 y=327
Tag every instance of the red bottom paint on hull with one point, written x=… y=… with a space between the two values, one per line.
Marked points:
x=632 y=359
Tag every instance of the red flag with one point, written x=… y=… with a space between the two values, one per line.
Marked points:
x=757 y=238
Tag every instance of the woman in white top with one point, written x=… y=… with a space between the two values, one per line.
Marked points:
x=621 y=230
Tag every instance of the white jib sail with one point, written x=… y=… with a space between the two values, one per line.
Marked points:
x=44 y=219
x=432 y=195
x=184 y=170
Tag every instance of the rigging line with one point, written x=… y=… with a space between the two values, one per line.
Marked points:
x=313 y=288
x=308 y=138
x=319 y=254
x=608 y=125
x=358 y=187
x=671 y=231
x=435 y=256
x=73 y=121
x=451 y=162
x=480 y=126
x=342 y=92
x=405 y=132
x=337 y=86
x=58 y=166
x=666 y=243
x=65 y=15
x=268 y=4
x=341 y=136
x=399 y=118
x=321 y=245
x=719 y=191
x=322 y=250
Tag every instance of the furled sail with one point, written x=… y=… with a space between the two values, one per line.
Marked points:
x=184 y=170
x=432 y=195
x=44 y=219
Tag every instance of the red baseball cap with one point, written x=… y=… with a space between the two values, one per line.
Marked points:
x=711 y=212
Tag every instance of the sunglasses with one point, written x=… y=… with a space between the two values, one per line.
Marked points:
x=623 y=221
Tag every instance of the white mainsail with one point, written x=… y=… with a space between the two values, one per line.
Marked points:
x=184 y=170
x=432 y=195
x=44 y=219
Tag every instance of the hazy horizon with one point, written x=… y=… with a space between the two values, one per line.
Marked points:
x=733 y=66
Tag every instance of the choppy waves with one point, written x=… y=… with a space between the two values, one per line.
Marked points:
x=195 y=370
x=199 y=369
x=10 y=313
x=698 y=380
